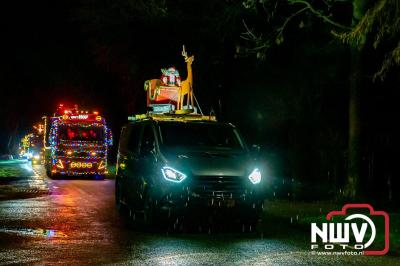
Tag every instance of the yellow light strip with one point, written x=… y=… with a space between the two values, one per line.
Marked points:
x=173 y=117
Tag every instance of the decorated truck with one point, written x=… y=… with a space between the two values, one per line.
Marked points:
x=30 y=148
x=76 y=143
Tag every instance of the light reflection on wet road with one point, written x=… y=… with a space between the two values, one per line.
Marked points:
x=78 y=224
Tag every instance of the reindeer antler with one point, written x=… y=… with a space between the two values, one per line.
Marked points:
x=184 y=53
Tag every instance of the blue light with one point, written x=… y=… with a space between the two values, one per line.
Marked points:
x=172 y=174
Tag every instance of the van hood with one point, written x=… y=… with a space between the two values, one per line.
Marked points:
x=210 y=163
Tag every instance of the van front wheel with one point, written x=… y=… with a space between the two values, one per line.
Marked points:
x=152 y=217
x=120 y=205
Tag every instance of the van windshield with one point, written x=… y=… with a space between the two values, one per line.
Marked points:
x=199 y=136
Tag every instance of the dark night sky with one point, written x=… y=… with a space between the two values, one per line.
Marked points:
x=98 y=54
x=87 y=53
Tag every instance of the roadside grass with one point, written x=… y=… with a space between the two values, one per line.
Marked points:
x=12 y=161
x=9 y=171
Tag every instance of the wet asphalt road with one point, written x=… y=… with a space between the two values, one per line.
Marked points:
x=75 y=222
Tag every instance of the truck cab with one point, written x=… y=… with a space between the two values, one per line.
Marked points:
x=77 y=145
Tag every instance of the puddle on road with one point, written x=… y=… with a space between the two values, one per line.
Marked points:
x=34 y=232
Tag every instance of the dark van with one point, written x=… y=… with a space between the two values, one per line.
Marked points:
x=168 y=165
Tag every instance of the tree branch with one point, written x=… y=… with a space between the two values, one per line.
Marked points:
x=280 y=29
x=319 y=14
x=393 y=58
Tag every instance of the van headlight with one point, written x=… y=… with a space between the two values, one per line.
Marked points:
x=255 y=176
x=172 y=174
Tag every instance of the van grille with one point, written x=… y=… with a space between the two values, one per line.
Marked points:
x=218 y=187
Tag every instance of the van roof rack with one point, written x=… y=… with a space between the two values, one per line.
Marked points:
x=172 y=117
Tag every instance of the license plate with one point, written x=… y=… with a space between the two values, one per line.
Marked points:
x=80 y=165
x=221 y=203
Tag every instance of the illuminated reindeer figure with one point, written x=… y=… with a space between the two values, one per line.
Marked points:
x=186 y=88
x=158 y=92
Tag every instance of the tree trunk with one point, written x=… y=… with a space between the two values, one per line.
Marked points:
x=353 y=185
x=352 y=189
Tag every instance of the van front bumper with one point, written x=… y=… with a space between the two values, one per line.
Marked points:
x=210 y=192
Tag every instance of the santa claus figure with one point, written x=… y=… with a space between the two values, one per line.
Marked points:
x=170 y=77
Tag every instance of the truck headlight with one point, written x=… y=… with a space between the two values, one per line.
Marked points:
x=255 y=176
x=172 y=174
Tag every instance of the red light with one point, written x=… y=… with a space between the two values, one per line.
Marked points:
x=65 y=111
x=95 y=112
